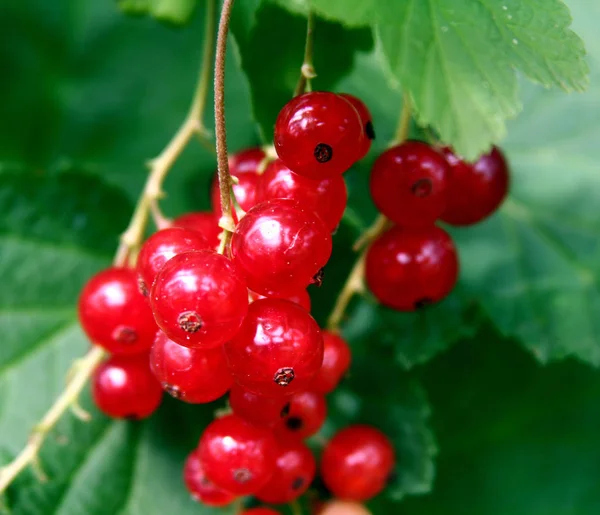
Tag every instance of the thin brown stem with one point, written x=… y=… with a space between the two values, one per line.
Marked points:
x=307 y=70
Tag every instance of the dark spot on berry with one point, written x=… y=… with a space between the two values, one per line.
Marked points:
x=205 y=481
x=142 y=287
x=423 y=303
x=297 y=483
x=189 y=321
x=242 y=475
x=131 y=416
x=172 y=390
x=370 y=130
x=294 y=423
x=285 y=411
x=124 y=334
x=323 y=152
x=422 y=188
x=318 y=277
x=284 y=376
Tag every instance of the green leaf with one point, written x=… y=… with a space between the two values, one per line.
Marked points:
x=172 y=11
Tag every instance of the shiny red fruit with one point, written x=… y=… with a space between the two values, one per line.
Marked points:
x=257 y=409
x=205 y=222
x=409 y=184
x=325 y=197
x=300 y=297
x=295 y=469
x=237 y=455
x=199 y=299
x=280 y=247
x=476 y=189
x=277 y=351
x=336 y=362
x=202 y=489
x=114 y=314
x=408 y=269
x=357 y=462
x=366 y=120
x=306 y=414
x=318 y=134
x=260 y=511
x=191 y=375
x=124 y=387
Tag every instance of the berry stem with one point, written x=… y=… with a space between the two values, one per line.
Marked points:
x=307 y=70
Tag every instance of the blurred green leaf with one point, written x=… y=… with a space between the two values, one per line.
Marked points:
x=172 y=11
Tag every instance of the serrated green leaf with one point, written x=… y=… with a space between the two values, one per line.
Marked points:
x=352 y=14
x=294 y=6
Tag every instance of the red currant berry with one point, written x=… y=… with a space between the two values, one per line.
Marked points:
x=306 y=415
x=257 y=409
x=295 y=469
x=162 y=246
x=337 y=507
x=366 y=120
x=325 y=197
x=199 y=299
x=205 y=222
x=277 y=351
x=236 y=455
x=243 y=166
x=357 y=462
x=318 y=134
x=336 y=362
x=124 y=387
x=281 y=247
x=260 y=511
x=300 y=297
x=476 y=189
x=409 y=184
x=202 y=489
x=407 y=269
x=192 y=375
x=114 y=314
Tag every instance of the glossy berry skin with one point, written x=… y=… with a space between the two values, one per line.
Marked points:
x=337 y=507
x=295 y=469
x=280 y=247
x=336 y=362
x=162 y=246
x=476 y=189
x=244 y=166
x=205 y=222
x=409 y=184
x=305 y=416
x=366 y=120
x=260 y=511
x=325 y=197
x=258 y=409
x=124 y=387
x=199 y=299
x=236 y=455
x=357 y=462
x=191 y=375
x=277 y=351
x=300 y=297
x=318 y=135
x=408 y=269
x=202 y=489
x=114 y=314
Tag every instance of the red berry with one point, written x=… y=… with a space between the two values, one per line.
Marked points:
x=244 y=166
x=236 y=455
x=114 y=314
x=336 y=362
x=409 y=184
x=205 y=222
x=162 y=246
x=260 y=511
x=124 y=387
x=366 y=120
x=306 y=415
x=318 y=134
x=278 y=350
x=199 y=299
x=476 y=189
x=407 y=269
x=281 y=247
x=357 y=462
x=295 y=469
x=300 y=297
x=257 y=409
x=325 y=197
x=202 y=489
x=192 y=375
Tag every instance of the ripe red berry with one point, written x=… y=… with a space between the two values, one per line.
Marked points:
x=295 y=469
x=260 y=511
x=237 y=455
x=366 y=120
x=278 y=350
x=325 y=197
x=192 y=375
x=281 y=247
x=257 y=409
x=305 y=416
x=476 y=189
x=407 y=269
x=409 y=184
x=205 y=222
x=300 y=297
x=318 y=134
x=124 y=387
x=199 y=299
x=357 y=462
x=202 y=489
x=114 y=314
x=336 y=362
x=162 y=246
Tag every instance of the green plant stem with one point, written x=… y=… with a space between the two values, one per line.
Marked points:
x=307 y=70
